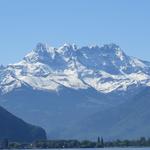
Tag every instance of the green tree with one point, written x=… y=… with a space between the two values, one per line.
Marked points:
x=102 y=142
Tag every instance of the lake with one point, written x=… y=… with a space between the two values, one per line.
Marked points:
x=148 y=148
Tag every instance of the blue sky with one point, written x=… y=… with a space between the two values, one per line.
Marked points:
x=23 y=23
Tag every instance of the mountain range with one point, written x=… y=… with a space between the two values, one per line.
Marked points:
x=79 y=92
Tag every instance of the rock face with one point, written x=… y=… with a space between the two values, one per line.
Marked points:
x=105 y=69
x=15 y=129
x=65 y=85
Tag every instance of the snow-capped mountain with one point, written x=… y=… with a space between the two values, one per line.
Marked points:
x=71 y=91
x=106 y=69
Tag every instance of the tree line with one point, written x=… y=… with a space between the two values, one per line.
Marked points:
x=69 y=144
x=100 y=143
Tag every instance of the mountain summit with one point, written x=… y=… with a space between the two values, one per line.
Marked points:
x=106 y=69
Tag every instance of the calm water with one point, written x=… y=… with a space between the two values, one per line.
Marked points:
x=102 y=149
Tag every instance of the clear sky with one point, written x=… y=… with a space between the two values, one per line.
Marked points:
x=23 y=23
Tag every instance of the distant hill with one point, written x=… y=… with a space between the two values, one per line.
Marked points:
x=16 y=129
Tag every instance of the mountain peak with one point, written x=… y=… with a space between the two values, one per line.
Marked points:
x=2 y=67
x=111 y=46
x=67 y=46
x=40 y=47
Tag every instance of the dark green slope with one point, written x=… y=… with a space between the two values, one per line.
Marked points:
x=16 y=129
